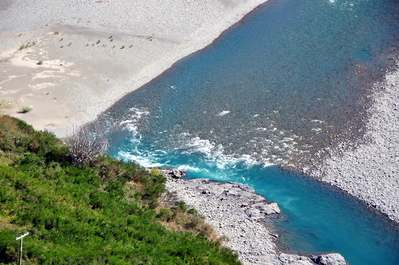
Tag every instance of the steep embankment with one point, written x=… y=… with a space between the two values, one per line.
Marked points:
x=100 y=211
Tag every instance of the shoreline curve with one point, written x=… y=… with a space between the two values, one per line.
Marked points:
x=70 y=62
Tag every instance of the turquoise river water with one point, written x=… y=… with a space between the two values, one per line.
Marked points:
x=286 y=81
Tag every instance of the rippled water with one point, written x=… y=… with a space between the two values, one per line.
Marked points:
x=288 y=80
x=275 y=87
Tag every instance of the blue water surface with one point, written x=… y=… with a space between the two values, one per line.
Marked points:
x=316 y=218
x=290 y=79
x=287 y=81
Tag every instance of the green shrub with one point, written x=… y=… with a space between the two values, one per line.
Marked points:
x=100 y=211
x=26 y=109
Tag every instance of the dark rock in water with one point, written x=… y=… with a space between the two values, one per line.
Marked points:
x=172 y=173
x=329 y=259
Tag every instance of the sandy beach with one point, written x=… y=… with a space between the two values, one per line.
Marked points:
x=67 y=62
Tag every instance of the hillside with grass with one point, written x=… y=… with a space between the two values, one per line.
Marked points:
x=100 y=211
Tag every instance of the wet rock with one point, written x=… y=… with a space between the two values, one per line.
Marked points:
x=329 y=259
x=275 y=235
x=172 y=172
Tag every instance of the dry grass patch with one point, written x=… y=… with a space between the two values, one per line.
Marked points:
x=175 y=216
x=6 y=104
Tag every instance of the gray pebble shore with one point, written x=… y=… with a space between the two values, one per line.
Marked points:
x=370 y=171
x=238 y=215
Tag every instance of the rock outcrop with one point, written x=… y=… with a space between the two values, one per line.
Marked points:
x=329 y=259
x=237 y=213
x=172 y=173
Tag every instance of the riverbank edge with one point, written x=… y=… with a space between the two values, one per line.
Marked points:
x=369 y=170
x=85 y=68
x=242 y=218
x=324 y=175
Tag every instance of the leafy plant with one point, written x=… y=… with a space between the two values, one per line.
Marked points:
x=26 y=109
x=28 y=45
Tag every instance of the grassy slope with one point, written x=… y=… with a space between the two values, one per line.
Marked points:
x=101 y=212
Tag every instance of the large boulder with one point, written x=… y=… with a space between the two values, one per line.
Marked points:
x=267 y=208
x=293 y=259
x=329 y=259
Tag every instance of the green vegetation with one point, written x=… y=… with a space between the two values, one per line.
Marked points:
x=28 y=45
x=26 y=109
x=101 y=211
x=39 y=62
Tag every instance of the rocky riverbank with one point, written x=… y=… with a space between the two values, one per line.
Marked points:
x=238 y=215
x=370 y=171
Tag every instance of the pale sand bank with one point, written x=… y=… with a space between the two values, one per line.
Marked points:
x=91 y=54
x=84 y=71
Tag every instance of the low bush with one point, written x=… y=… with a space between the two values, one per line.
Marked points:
x=26 y=109
x=100 y=211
